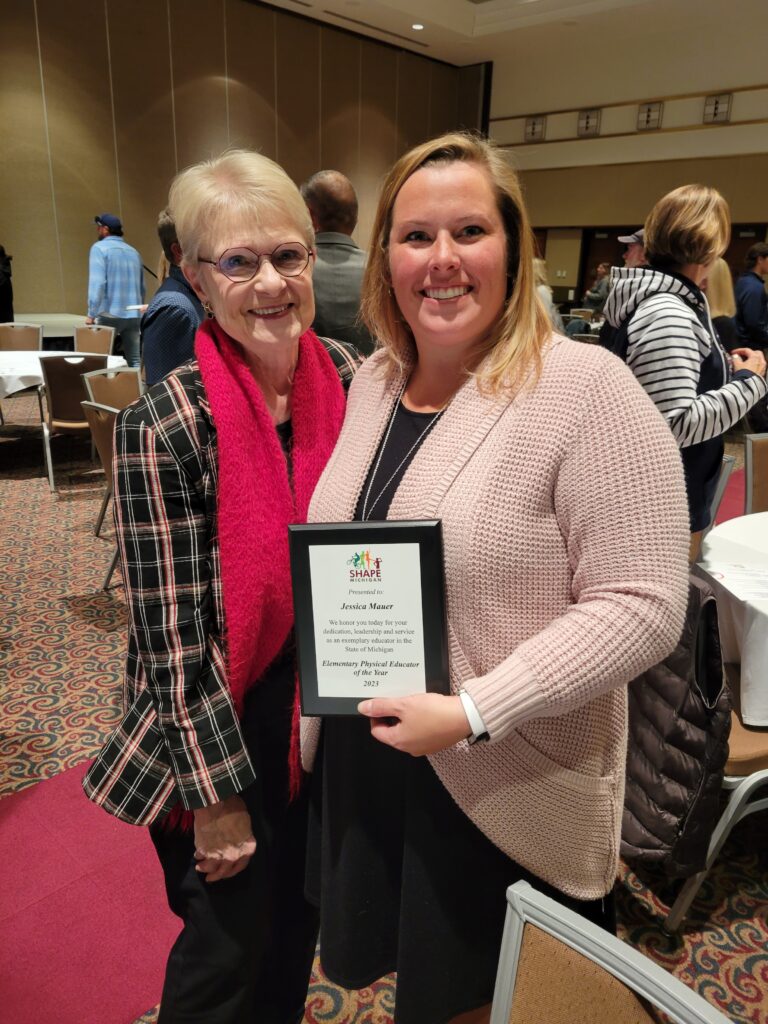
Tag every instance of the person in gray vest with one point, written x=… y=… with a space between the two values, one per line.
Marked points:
x=340 y=263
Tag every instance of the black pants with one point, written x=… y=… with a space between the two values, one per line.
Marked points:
x=244 y=955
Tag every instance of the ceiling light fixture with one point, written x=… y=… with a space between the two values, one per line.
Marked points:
x=417 y=26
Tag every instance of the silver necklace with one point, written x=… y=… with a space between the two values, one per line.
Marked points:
x=368 y=510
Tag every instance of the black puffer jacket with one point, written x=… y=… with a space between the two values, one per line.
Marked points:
x=679 y=722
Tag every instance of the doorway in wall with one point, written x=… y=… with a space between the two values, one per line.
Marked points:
x=601 y=245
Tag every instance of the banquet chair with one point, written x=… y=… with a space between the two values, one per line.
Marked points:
x=576 y=326
x=101 y=419
x=746 y=774
x=726 y=468
x=63 y=391
x=556 y=967
x=583 y=314
x=94 y=338
x=755 y=473
x=116 y=387
x=21 y=337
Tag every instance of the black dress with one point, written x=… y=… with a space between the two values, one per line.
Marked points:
x=405 y=881
x=246 y=949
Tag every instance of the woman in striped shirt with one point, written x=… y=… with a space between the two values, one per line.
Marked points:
x=672 y=347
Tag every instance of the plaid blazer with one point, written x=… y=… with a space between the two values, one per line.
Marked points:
x=179 y=739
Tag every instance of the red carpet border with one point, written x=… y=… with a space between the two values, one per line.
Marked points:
x=85 y=917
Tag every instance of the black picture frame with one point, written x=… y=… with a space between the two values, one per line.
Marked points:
x=427 y=534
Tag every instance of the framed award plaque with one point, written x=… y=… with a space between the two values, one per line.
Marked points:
x=369 y=603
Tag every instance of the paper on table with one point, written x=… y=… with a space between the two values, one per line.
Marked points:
x=743 y=581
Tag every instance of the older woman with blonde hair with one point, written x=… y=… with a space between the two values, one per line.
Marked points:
x=666 y=336
x=564 y=578
x=210 y=467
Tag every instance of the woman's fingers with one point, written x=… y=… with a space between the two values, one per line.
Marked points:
x=224 y=869
x=380 y=707
x=420 y=724
x=225 y=863
x=383 y=730
x=224 y=841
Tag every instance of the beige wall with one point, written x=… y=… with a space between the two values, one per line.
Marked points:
x=631 y=52
x=563 y=253
x=614 y=59
x=101 y=103
x=623 y=194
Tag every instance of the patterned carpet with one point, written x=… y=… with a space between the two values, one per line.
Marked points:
x=61 y=648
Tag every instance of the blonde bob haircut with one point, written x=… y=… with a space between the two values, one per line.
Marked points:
x=239 y=187
x=514 y=345
x=722 y=301
x=691 y=224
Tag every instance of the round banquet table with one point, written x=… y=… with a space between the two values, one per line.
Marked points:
x=21 y=369
x=734 y=558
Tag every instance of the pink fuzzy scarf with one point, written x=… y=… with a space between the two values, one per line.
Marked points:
x=255 y=499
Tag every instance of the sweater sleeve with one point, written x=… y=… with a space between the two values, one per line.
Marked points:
x=663 y=353
x=162 y=533
x=620 y=502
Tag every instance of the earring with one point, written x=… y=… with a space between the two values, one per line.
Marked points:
x=208 y=308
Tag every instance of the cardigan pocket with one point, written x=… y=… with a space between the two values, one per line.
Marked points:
x=544 y=765
x=559 y=824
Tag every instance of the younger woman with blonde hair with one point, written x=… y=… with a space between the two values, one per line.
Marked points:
x=564 y=580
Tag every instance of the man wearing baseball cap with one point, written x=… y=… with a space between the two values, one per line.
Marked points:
x=634 y=254
x=115 y=285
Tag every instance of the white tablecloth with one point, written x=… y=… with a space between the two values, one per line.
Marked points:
x=19 y=370
x=55 y=325
x=735 y=560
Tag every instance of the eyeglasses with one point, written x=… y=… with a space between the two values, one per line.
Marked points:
x=242 y=264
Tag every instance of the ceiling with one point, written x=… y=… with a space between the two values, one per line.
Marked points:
x=458 y=31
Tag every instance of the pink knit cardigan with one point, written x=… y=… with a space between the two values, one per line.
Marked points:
x=566 y=536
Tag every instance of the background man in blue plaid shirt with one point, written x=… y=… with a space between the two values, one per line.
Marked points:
x=115 y=282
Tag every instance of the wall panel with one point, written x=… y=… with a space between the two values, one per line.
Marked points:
x=340 y=102
x=199 y=81
x=379 y=147
x=623 y=194
x=563 y=254
x=443 y=98
x=76 y=72
x=141 y=82
x=471 y=82
x=413 y=100
x=187 y=78
x=298 y=96
x=251 y=70
x=27 y=226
